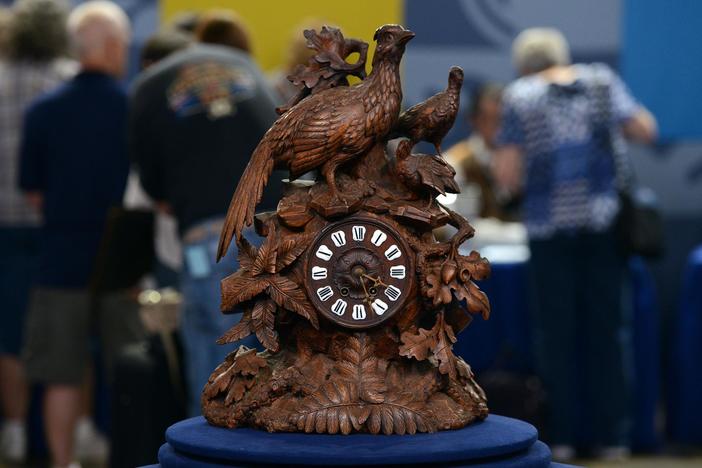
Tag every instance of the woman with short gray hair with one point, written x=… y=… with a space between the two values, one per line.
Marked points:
x=559 y=146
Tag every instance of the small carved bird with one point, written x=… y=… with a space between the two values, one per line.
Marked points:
x=432 y=119
x=424 y=173
x=323 y=131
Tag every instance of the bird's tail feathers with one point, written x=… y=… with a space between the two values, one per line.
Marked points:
x=248 y=193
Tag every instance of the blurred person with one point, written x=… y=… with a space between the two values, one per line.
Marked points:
x=195 y=119
x=73 y=168
x=560 y=144
x=185 y=22
x=161 y=45
x=166 y=240
x=32 y=61
x=473 y=159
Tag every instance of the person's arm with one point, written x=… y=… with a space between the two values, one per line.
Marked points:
x=32 y=157
x=636 y=122
x=641 y=127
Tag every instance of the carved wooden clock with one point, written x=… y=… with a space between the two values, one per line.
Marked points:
x=358 y=272
x=355 y=301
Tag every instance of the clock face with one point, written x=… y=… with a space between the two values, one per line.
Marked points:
x=359 y=272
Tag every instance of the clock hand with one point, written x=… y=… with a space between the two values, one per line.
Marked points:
x=365 y=291
x=376 y=281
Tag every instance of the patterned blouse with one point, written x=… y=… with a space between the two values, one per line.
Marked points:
x=573 y=149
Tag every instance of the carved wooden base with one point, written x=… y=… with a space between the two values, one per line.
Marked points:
x=346 y=385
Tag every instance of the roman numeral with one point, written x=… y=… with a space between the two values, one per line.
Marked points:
x=359 y=312
x=324 y=253
x=379 y=306
x=397 y=271
x=378 y=237
x=339 y=238
x=393 y=293
x=319 y=273
x=325 y=293
x=359 y=233
x=393 y=252
x=339 y=307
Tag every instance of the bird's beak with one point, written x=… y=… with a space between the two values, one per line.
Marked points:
x=405 y=37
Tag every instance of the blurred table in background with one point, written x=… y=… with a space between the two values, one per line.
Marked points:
x=685 y=379
x=504 y=341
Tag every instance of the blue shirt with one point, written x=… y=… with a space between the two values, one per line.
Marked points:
x=572 y=147
x=73 y=151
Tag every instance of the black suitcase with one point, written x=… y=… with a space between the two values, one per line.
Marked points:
x=148 y=396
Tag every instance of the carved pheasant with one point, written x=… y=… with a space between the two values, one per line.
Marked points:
x=424 y=173
x=324 y=131
x=432 y=119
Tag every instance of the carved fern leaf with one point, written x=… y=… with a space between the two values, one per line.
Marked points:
x=290 y=249
x=331 y=409
x=289 y=296
x=247 y=253
x=265 y=261
x=399 y=415
x=361 y=366
x=263 y=323
x=239 y=331
x=240 y=287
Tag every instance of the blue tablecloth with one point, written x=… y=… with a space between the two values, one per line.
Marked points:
x=504 y=342
x=685 y=378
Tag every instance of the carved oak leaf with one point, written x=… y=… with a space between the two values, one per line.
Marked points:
x=360 y=365
x=248 y=362
x=288 y=295
x=240 y=287
x=442 y=351
x=473 y=266
x=331 y=409
x=239 y=331
x=438 y=291
x=476 y=299
x=438 y=340
x=237 y=390
x=290 y=249
x=399 y=415
x=417 y=345
x=263 y=322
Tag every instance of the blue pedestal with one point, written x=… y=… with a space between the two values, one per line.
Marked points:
x=495 y=442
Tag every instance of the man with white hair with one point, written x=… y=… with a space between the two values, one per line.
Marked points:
x=560 y=145
x=73 y=167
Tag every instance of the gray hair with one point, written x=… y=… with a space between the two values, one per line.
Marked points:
x=37 y=30
x=537 y=49
x=92 y=23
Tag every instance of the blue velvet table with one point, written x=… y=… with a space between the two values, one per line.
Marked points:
x=495 y=442
x=504 y=341
x=685 y=384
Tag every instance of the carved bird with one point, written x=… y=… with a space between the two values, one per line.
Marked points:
x=424 y=173
x=432 y=119
x=323 y=131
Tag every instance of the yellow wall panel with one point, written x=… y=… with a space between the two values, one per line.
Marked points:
x=272 y=23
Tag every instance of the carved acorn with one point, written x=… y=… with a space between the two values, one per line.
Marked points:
x=448 y=272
